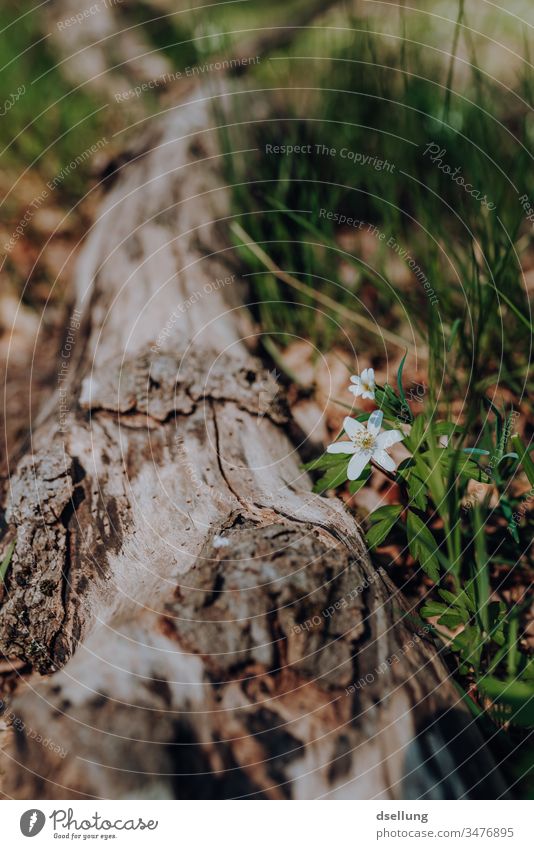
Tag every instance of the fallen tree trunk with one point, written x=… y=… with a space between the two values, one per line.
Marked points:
x=207 y=627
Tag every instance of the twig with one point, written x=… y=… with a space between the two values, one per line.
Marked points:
x=278 y=358
x=282 y=36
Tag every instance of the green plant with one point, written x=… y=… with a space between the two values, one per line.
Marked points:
x=448 y=539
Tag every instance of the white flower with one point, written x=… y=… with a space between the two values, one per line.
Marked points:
x=363 y=384
x=366 y=444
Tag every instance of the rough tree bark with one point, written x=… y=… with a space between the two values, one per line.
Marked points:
x=168 y=548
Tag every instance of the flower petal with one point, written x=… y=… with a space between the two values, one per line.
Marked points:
x=383 y=459
x=368 y=394
x=355 y=378
x=368 y=375
x=356 y=390
x=358 y=464
x=388 y=438
x=375 y=422
x=351 y=426
x=341 y=448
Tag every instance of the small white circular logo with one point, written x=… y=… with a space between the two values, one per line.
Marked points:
x=32 y=822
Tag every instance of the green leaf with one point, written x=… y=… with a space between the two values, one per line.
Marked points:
x=515 y=698
x=524 y=458
x=454 y=332
x=406 y=465
x=468 y=643
x=445 y=428
x=390 y=394
x=325 y=461
x=388 y=402
x=377 y=534
x=471 y=704
x=355 y=486
x=386 y=512
x=456 y=600
x=433 y=608
x=469 y=593
x=505 y=436
x=517 y=312
x=417 y=432
x=414 y=483
x=508 y=514
x=404 y=402
x=497 y=620
x=422 y=545
x=472 y=471
x=511 y=455
x=467 y=469
x=333 y=478
x=4 y=566
x=453 y=618
x=480 y=569
x=528 y=672
x=495 y=410
x=417 y=493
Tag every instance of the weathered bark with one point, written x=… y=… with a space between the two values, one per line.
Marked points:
x=170 y=554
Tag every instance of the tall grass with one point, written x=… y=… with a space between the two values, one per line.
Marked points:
x=393 y=103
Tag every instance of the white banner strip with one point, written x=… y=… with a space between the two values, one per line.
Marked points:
x=312 y=825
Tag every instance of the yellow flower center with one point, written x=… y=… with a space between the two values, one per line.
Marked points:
x=364 y=440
